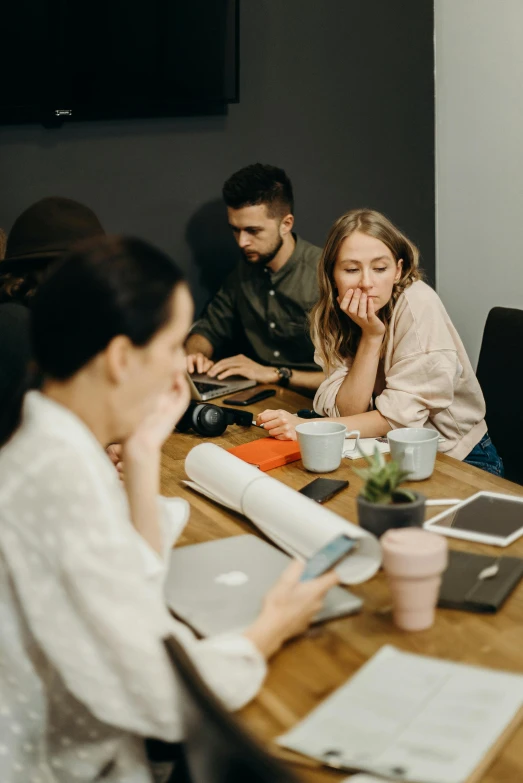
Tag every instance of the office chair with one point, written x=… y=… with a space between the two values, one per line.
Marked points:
x=500 y=374
x=217 y=748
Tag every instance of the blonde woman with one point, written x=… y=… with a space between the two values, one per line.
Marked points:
x=390 y=352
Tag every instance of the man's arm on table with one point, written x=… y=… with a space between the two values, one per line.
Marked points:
x=199 y=353
x=213 y=328
x=241 y=365
x=309 y=380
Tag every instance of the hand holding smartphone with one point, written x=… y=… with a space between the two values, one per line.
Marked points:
x=328 y=556
x=249 y=397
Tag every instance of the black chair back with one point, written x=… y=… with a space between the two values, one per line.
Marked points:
x=500 y=374
x=217 y=748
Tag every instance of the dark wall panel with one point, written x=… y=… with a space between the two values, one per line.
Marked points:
x=340 y=93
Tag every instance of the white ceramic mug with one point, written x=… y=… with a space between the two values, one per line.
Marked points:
x=321 y=445
x=414 y=449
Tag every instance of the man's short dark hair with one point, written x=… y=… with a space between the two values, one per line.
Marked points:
x=260 y=184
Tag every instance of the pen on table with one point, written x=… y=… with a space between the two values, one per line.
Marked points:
x=442 y=501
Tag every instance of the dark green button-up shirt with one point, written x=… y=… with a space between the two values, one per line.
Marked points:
x=265 y=314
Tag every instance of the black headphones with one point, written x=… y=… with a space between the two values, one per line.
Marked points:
x=211 y=420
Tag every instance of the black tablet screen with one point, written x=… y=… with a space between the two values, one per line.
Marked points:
x=492 y=516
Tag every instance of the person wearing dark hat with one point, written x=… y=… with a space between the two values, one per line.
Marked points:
x=39 y=238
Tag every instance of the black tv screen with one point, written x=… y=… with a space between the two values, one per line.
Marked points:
x=64 y=60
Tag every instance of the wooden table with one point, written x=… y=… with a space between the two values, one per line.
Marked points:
x=310 y=668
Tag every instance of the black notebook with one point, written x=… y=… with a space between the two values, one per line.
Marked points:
x=478 y=583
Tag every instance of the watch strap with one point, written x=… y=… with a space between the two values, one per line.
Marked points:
x=285 y=376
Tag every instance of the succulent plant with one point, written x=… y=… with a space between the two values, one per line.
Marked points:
x=382 y=480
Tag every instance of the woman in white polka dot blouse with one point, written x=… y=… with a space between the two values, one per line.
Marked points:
x=83 y=673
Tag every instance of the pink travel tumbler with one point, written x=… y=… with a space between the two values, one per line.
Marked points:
x=414 y=561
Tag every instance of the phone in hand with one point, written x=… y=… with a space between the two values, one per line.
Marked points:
x=250 y=396
x=322 y=489
x=328 y=556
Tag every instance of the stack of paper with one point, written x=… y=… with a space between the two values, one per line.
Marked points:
x=367 y=445
x=294 y=522
x=411 y=718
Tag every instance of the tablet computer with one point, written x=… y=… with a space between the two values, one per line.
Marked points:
x=486 y=517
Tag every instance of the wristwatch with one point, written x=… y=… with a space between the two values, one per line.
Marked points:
x=285 y=376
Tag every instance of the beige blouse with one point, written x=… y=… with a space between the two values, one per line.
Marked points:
x=429 y=381
x=83 y=673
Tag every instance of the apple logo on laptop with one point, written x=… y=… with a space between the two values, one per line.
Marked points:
x=232 y=579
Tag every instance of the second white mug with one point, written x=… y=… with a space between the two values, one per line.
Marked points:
x=414 y=449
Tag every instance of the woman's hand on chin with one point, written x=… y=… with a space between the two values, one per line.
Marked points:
x=279 y=424
x=114 y=452
x=360 y=308
x=159 y=423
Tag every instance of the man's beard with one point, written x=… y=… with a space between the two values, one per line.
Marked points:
x=265 y=258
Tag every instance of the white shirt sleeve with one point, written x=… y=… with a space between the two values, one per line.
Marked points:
x=173 y=514
x=83 y=584
x=418 y=386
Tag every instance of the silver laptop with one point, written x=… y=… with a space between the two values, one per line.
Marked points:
x=219 y=586
x=205 y=388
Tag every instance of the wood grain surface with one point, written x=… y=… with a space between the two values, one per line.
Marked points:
x=309 y=668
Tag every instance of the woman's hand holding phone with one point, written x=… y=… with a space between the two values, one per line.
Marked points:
x=288 y=608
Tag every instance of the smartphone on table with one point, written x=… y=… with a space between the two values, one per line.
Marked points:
x=328 y=556
x=322 y=489
x=250 y=396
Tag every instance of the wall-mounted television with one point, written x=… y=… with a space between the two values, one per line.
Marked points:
x=70 y=60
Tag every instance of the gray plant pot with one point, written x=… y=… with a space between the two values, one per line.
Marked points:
x=378 y=518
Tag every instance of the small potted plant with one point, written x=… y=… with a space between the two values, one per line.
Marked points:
x=382 y=503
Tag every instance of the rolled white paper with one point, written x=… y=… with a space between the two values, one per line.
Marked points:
x=294 y=522
x=221 y=473
x=301 y=525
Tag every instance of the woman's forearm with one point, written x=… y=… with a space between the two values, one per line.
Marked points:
x=142 y=484
x=267 y=636
x=355 y=392
x=370 y=424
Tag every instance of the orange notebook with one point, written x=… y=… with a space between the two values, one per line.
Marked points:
x=268 y=453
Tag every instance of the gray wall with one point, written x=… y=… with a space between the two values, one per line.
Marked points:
x=479 y=141
x=338 y=92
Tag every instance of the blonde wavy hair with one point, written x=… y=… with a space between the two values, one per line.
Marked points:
x=334 y=335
